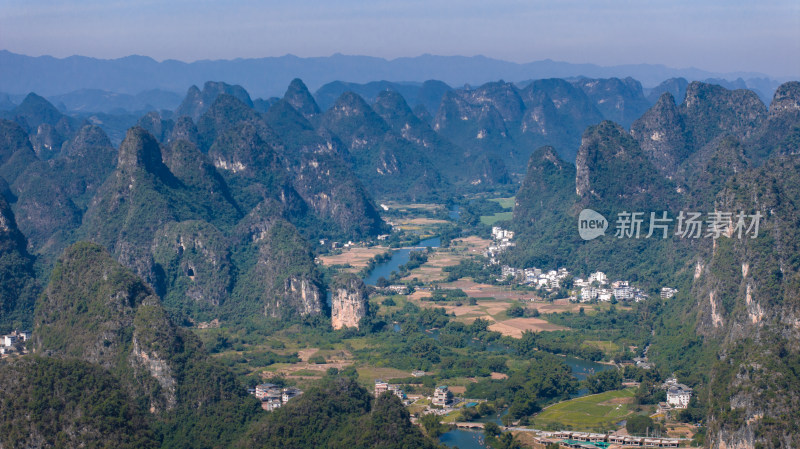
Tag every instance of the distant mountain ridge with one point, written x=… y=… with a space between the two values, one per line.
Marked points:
x=268 y=76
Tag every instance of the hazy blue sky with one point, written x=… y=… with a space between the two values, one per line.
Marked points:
x=717 y=35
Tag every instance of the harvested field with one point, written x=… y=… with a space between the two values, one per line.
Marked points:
x=476 y=290
x=516 y=326
x=355 y=257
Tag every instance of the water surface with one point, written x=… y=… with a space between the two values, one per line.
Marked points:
x=399 y=257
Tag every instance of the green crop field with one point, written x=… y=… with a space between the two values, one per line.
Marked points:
x=500 y=216
x=505 y=203
x=594 y=412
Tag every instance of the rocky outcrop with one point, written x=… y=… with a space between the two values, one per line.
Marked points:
x=348 y=302
x=619 y=100
x=319 y=173
x=747 y=302
x=156 y=125
x=661 y=134
x=17 y=286
x=384 y=161
x=95 y=310
x=607 y=151
x=300 y=98
x=303 y=294
x=710 y=110
x=196 y=262
x=675 y=86
x=197 y=102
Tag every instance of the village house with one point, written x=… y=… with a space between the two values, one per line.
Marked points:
x=678 y=394
x=395 y=389
x=622 y=291
x=9 y=342
x=605 y=294
x=501 y=234
x=380 y=387
x=442 y=396
x=588 y=294
x=273 y=396
x=598 y=277
x=667 y=293
x=263 y=390
x=290 y=393
x=398 y=289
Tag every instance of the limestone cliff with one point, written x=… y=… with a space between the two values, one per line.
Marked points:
x=348 y=302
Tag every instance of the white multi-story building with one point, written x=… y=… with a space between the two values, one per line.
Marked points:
x=588 y=294
x=501 y=234
x=380 y=387
x=441 y=396
x=598 y=277
x=679 y=398
x=623 y=293
x=678 y=394
x=9 y=340
x=667 y=293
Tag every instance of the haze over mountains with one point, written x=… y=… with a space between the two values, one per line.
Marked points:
x=267 y=77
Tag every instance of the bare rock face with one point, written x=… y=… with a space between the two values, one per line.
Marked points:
x=349 y=302
x=304 y=294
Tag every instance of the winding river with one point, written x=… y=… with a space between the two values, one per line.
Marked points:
x=461 y=438
x=399 y=257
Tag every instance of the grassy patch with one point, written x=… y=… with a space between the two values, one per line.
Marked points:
x=489 y=220
x=505 y=203
x=608 y=347
x=308 y=373
x=368 y=374
x=597 y=412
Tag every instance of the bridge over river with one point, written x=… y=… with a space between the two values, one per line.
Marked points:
x=469 y=425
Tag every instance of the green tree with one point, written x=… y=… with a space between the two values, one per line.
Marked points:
x=491 y=429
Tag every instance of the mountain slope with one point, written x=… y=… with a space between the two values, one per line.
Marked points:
x=386 y=163
x=96 y=311
x=18 y=288
x=319 y=173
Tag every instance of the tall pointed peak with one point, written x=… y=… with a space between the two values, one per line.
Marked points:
x=140 y=149
x=300 y=98
x=37 y=110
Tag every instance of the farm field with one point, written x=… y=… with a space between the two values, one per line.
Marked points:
x=595 y=412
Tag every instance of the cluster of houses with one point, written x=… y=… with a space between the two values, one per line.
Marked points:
x=667 y=292
x=536 y=277
x=501 y=242
x=583 y=440
x=382 y=387
x=597 y=288
x=273 y=396
x=678 y=394
x=9 y=342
